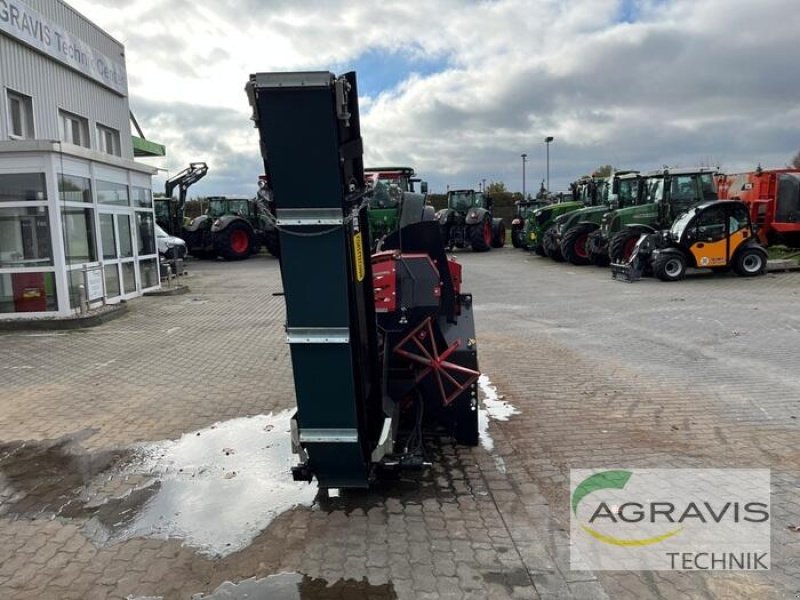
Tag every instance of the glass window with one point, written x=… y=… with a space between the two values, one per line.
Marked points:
x=19 y=187
x=145 y=233
x=79 y=237
x=128 y=277
x=125 y=242
x=25 y=237
x=142 y=197
x=28 y=292
x=108 y=140
x=74 y=129
x=108 y=239
x=738 y=219
x=20 y=115
x=112 y=193
x=112 y=280
x=149 y=272
x=72 y=188
x=710 y=225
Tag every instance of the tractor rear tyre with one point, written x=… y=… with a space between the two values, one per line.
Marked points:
x=750 y=262
x=551 y=246
x=575 y=245
x=670 y=267
x=622 y=244
x=498 y=235
x=480 y=235
x=235 y=241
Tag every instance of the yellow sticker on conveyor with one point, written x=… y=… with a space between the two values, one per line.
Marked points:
x=358 y=255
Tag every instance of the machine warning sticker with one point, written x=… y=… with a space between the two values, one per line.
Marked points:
x=358 y=255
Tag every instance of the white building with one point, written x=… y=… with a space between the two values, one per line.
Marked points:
x=75 y=208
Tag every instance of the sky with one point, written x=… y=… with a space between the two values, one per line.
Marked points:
x=460 y=89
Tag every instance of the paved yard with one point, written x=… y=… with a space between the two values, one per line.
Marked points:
x=700 y=373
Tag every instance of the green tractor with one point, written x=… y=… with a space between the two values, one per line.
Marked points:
x=523 y=208
x=232 y=227
x=392 y=187
x=542 y=220
x=469 y=220
x=598 y=194
x=665 y=195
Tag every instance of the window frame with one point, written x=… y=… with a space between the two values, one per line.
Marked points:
x=25 y=103
x=106 y=134
x=65 y=116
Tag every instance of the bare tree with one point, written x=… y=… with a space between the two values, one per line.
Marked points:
x=795 y=164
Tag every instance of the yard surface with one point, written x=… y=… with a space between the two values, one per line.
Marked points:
x=701 y=373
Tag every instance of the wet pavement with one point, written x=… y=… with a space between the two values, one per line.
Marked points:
x=149 y=458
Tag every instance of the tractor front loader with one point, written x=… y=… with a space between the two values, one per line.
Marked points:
x=383 y=348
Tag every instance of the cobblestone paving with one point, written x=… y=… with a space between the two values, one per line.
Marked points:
x=701 y=373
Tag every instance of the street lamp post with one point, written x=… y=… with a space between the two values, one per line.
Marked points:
x=524 y=160
x=484 y=184
x=547 y=141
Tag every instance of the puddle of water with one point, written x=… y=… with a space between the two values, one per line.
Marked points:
x=219 y=487
x=295 y=586
x=493 y=408
x=39 y=479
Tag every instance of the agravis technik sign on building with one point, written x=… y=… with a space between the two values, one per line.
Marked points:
x=25 y=24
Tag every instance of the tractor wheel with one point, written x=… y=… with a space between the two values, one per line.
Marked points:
x=480 y=236
x=235 y=242
x=750 y=262
x=539 y=249
x=669 y=267
x=622 y=244
x=551 y=248
x=598 y=259
x=499 y=235
x=575 y=245
x=516 y=238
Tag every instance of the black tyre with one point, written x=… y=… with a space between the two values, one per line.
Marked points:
x=480 y=235
x=551 y=245
x=669 y=267
x=539 y=249
x=750 y=262
x=235 y=241
x=597 y=258
x=575 y=245
x=622 y=244
x=516 y=238
x=498 y=235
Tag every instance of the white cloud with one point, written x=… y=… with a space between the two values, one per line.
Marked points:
x=688 y=81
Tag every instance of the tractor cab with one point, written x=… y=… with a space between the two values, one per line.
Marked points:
x=714 y=235
x=220 y=206
x=463 y=200
x=392 y=192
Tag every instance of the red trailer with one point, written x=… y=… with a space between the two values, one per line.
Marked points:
x=774 y=200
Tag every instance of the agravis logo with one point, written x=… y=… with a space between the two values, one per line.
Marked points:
x=610 y=480
x=668 y=519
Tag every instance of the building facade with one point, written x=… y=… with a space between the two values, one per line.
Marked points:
x=76 y=210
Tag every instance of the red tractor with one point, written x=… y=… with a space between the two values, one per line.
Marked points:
x=773 y=197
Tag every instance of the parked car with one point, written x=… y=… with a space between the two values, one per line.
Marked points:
x=169 y=246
